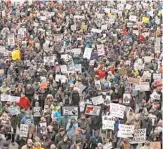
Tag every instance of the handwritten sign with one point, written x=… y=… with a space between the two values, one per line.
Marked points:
x=11 y=39
x=24 y=130
x=117 y=110
x=9 y=98
x=87 y=53
x=107 y=123
x=139 y=136
x=125 y=131
x=97 y=100
x=155 y=145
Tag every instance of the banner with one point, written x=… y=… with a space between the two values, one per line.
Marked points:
x=139 y=136
x=92 y=110
x=125 y=131
x=97 y=100
x=23 y=130
x=107 y=123
x=117 y=110
x=11 y=39
x=70 y=110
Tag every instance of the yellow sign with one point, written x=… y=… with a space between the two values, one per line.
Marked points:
x=16 y=55
x=145 y=19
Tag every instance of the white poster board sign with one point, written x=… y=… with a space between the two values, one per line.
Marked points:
x=107 y=123
x=157 y=76
x=49 y=60
x=139 y=136
x=87 y=53
x=133 y=18
x=125 y=131
x=11 y=39
x=117 y=110
x=24 y=130
x=100 y=49
x=97 y=100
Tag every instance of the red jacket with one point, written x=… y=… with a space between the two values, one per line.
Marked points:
x=24 y=103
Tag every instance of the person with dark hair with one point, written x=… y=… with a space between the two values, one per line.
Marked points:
x=77 y=145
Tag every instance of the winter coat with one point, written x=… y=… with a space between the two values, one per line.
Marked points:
x=63 y=121
x=58 y=138
x=27 y=120
x=71 y=130
x=63 y=145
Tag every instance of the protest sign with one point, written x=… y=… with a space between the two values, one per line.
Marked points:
x=43 y=85
x=139 y=136
x=80 y=86
x=63 y=68
x=11 y=39
x=23 y=130
x=49 y=60
x=5 y=97
x=87 y=53
x=16 y=55
x=147 y=59
x=1 y=71
x=157 y=76
x=133 y=18
x=122 y=71
x=78 y=68
x=143 y=86
x=155 y=145
x=100 y=50
x=145 y=19
x=98 y=85
x=104 y=27
x=125 y=131
x=108 y=99
x=94 y=30
x=2 y=49
x=92 y=110
x=37 y=111
x=157 y=45
x=107 y=123
x=134 y=80
x=117 y=110
x=97 y=100
x=126 y=98
x=13 y=110
x=70 y=110
x=76 y=51
x=61 y=78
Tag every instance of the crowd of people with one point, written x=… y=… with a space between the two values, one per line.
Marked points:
x=81 y=74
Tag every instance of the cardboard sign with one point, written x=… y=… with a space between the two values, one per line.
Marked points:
x=11 y=39
x=133 y=80
x=70 y=111
x=125 y=131
x=92 y=110
x=97 y=100
x=126 y=98
x=117 y=110
x=107 y=124
x=155 y=145
x=139 y=136
x=23 y=130
x=87 y=53
x=122 y=71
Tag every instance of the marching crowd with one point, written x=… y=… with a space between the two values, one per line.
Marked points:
x=81 y=74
